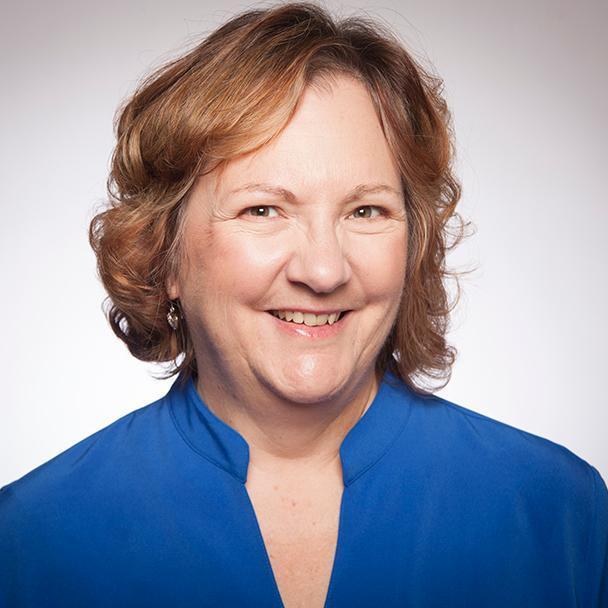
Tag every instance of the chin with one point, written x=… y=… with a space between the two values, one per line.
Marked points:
x=306 y=388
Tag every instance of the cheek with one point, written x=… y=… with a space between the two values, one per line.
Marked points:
x=382 y=264
x=239 y=265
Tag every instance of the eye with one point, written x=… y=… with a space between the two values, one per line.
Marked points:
x=260 y=211
x=365 y=212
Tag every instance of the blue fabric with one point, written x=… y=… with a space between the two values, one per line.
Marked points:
x=442 y=507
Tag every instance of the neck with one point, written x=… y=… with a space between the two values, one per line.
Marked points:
x=285 y=435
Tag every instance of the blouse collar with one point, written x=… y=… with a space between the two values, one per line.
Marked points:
x=364 y=445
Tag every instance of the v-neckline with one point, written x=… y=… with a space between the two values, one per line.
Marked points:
x=266 y=553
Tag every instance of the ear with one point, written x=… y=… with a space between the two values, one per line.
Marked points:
x=172 y=288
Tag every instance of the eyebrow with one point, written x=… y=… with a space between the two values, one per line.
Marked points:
x=355 y=194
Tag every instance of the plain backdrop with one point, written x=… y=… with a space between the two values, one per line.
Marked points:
x=527 y=84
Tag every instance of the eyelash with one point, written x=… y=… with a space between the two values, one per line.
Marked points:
x=382 y=211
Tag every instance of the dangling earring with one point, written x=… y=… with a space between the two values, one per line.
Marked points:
x=173 y=316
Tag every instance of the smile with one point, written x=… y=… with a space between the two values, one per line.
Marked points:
x=307 y=318
x=295 y=327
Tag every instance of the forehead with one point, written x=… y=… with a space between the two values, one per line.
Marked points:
x=333 y=139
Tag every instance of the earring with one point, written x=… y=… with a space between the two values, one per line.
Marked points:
x=173 y=317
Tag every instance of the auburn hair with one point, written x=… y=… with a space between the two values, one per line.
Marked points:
x=233 y=93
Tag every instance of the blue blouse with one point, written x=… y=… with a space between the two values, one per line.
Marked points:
x=442 y=507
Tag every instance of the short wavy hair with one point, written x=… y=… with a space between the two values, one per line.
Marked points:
x=233 y=93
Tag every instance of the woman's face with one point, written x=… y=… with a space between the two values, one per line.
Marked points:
x=314 y=221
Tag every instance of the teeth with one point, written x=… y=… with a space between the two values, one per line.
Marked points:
x=306 y=318
x=310 y=319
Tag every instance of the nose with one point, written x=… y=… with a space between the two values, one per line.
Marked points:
x=318 y=259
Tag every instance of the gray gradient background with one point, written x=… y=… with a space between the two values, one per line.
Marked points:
x=527 y=84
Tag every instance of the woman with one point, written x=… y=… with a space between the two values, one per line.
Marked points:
x=281 y=203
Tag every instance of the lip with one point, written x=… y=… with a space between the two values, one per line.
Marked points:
x=305 y=331
x=310 y=310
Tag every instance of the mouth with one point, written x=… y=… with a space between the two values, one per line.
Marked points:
x=309 y=320
x=303 y=331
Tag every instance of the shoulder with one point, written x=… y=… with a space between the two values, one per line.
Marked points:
x=92 y=461
x=503 y=441
x=469 y=445
x=535 y=497
x=559 y=498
